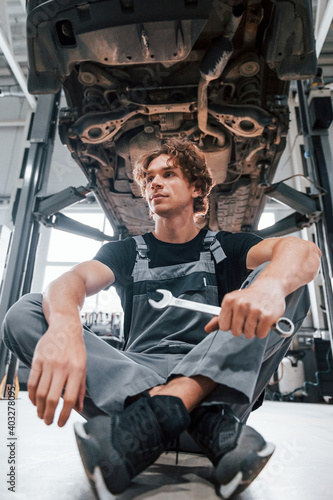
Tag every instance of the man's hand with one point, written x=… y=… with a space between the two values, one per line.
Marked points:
x=251 y=311
x=59 y=365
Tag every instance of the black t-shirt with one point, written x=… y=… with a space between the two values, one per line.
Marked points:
x=120 y=257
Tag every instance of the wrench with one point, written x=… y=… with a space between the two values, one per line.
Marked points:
x=284 y=326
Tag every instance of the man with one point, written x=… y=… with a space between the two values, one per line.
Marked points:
x=179 y=370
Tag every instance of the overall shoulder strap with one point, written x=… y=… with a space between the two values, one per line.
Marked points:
x=212 y=243
x=142 y=248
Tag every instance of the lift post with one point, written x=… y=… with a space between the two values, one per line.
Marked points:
x=318 y=157
x=22 y=250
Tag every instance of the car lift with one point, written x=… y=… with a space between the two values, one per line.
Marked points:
x=29 y=210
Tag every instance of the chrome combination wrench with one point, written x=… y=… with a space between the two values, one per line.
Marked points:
x=284 y=326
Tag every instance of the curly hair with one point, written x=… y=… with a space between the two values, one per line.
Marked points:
x=190 y=159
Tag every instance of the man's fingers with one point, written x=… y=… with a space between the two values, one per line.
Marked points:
x=35 y=374
x=241 y=314
x=72 y=391
x=42 y=391
x=80 y=400
x=250 y=327
x=82 y=394
x=264 y=325
x=53 y=396
x=221 y=322
x=212 y=325
x=226 y=317
x=237 y=323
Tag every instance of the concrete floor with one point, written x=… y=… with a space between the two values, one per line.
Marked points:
x=48 y=466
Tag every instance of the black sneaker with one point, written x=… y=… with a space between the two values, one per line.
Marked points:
x=237 y=451
x=115 y=449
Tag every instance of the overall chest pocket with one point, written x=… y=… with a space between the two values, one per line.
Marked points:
x=192 y=286
x=152 y=328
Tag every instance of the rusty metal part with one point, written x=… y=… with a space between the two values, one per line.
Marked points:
x=96 y=128
x=218 y=159
x=242 y=120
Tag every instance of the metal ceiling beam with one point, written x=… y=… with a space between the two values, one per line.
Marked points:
x=16 y=69
x=324 y=19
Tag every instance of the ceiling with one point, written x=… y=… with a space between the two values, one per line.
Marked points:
x=13 y=58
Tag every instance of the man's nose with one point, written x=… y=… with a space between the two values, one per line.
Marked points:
x=157 y=181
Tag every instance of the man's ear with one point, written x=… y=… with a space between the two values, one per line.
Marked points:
x=197 y=191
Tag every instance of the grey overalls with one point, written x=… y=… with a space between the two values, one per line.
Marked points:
x=161 y=345
x=172 y=331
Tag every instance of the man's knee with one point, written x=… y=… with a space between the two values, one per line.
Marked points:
x=297 y=303
x=254 y=275
x=21 y=317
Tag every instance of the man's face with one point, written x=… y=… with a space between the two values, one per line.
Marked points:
x=167 y=191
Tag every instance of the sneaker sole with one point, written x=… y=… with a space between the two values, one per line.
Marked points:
x=87 y=450
x=251 y=466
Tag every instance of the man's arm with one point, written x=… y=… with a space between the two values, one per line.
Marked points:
x=59 y=361
x=292 y=263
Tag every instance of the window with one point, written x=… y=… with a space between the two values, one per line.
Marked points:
x=267 y=219
x=60 y=251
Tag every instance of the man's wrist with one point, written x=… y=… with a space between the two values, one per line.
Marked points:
x=67 y=323
x=270 y=284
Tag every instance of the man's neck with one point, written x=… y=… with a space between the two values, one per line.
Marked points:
x=174 y=233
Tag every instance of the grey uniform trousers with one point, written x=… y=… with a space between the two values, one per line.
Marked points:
x=242 y=367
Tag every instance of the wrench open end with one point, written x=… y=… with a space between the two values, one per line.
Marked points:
x=165 y=300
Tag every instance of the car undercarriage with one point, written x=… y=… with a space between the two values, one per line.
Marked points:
x=136 y=72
